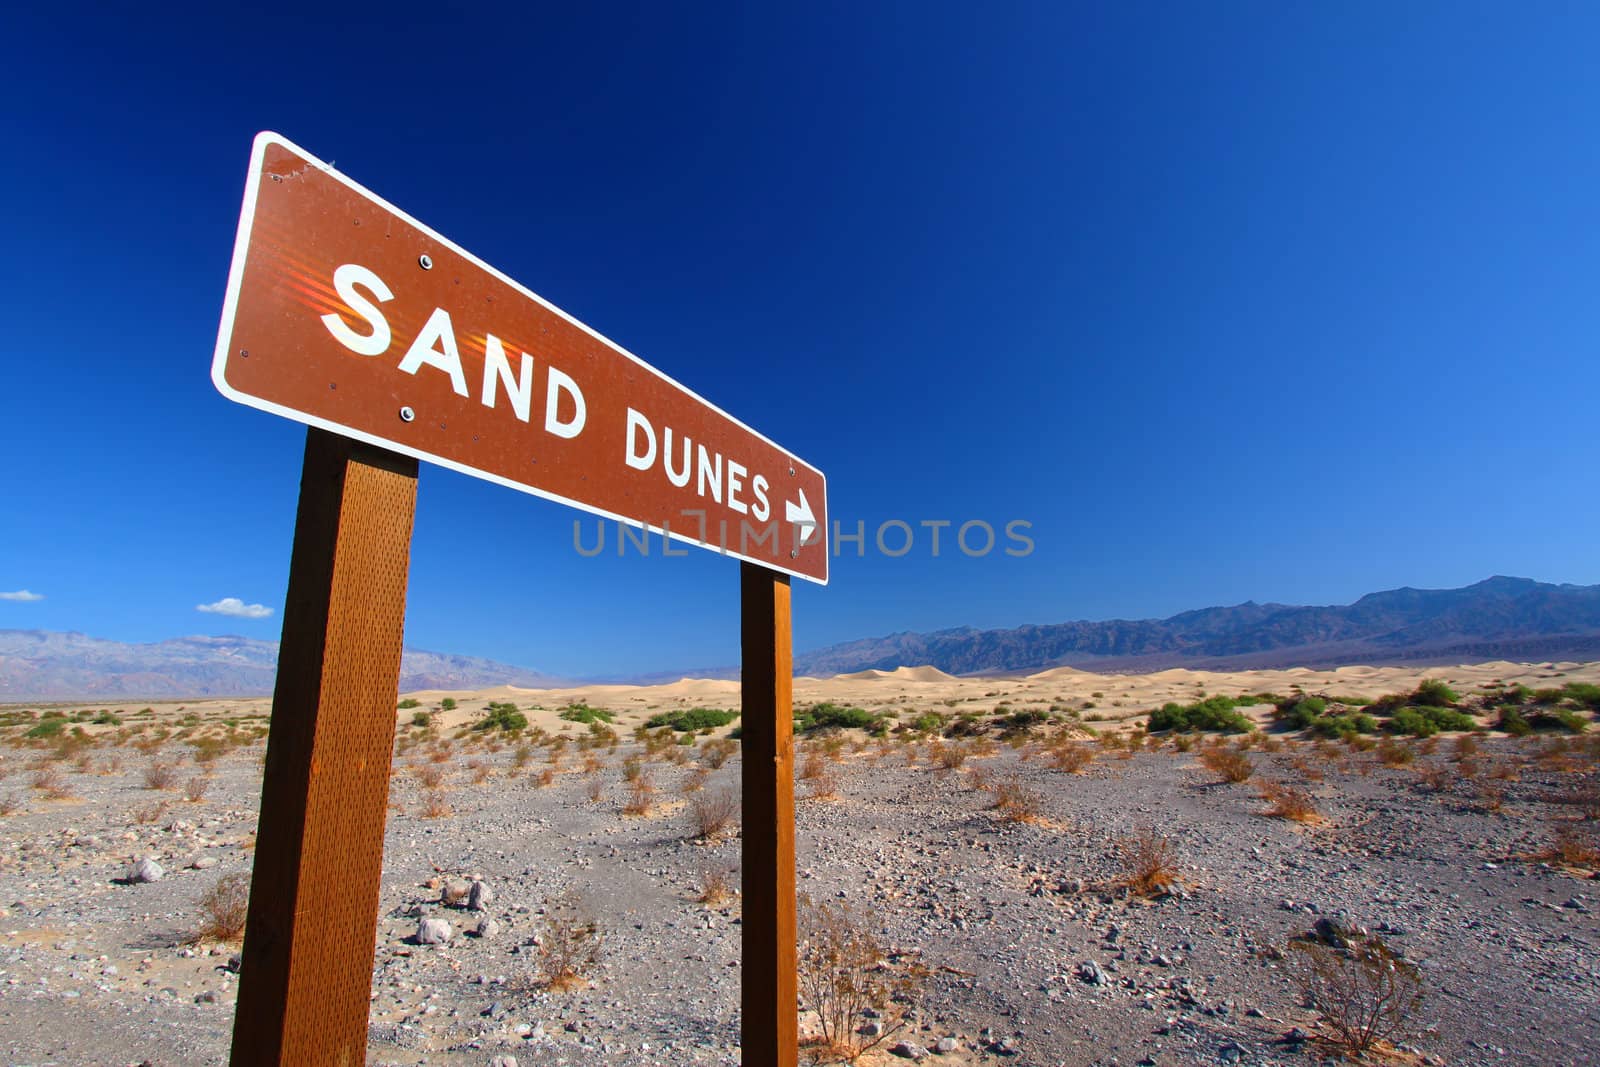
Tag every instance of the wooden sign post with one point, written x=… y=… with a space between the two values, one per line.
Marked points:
x=770 y=1029
x=305 y=983
x=395 y=345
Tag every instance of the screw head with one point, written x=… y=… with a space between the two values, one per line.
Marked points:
x=406 y=414
x=425 y=261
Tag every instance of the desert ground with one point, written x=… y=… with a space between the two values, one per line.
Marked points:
x=1028 y=876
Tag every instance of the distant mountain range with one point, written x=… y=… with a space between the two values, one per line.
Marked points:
x=42 y=665
x=1499 y=618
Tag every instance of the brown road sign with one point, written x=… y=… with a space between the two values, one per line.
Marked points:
x=345 y=313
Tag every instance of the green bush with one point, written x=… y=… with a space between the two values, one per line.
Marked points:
x=1512 y=722
x=827 y=716
x=410 y=702
x=1344 y=725
x=929 y=722
x=50 y=726
x=693 y=720
x=1431 y=692
x=1020 y=722
x=585 y=714
x=1571 y=721
x=1214 y=714
x=448 y=703
x=421 y=718
x=107 y=718
x=1584 y=694
x=1427 y=721
x=502 y=716
x=1300 y=714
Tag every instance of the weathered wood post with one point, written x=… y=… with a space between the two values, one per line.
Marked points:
x=770 y=1021
x=306 y=979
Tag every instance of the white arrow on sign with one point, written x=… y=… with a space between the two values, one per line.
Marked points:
x=802 y=516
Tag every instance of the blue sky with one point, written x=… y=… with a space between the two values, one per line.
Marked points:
x=1232 y=301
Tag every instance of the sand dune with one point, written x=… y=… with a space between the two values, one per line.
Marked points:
x=1104 y=699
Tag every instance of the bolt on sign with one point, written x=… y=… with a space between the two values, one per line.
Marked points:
x=344 y=313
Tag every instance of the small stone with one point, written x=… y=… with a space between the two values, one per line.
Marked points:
x=1089 y=971
x=144 y=870
x=208 y=997
x=486 y=927
x=1330 y=933
x=503 y=1061
x=1230 y=1053
x=909 y=1050
x=455 y=893
x=479 y=896
x=1005 y=1047
x=204 y=863
x=870 y=1028
x=433 y=932
x=946 y=1045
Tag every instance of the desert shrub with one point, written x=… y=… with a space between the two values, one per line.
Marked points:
x=1015 y=801
x=713 y=812
x=48 y=727
x=845 y=972
x=148 y=814
x=1546 y=718
x=410 y=702
x=107 y=718
x=1072 y=757
x=1148 y=862
x=502 y=716
x=1364 y=991
x=194 y=790
x=1020 y=722
x=160 y=776
x=431 y=775
x=950 y=757
x=1228 y=764
x=641 y=795
x=827 y=716
x=568 y=945
x=585 y=714
x=434 y=805
x=1214 y=714
x=448 y=704
x=1344 y=725
x=1300 y=713
x=825 y=786
x=1289 y=802
x=421 y=718
x=1512 y=722
x=1431 y=692
x=10 y=804
x=223 y=908
x=692 y=720
x=49 y=781
x=1395 y=753
x=716 y=753
x=716 y=886
x=1427 y=720
x=1582 y=693
x=1573 y=844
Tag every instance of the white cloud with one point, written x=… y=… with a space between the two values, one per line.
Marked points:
x=232 y=605
x=22 y=595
